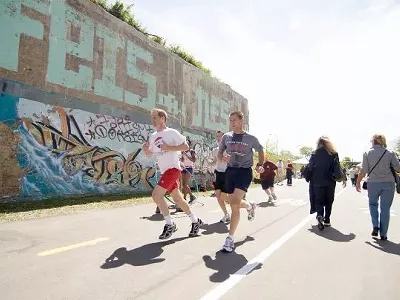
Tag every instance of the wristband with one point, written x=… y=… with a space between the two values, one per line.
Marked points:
x=259 y=165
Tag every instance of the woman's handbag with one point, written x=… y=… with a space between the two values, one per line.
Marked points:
x=365 y=185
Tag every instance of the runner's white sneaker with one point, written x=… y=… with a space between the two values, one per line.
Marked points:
x=226 y=219
x=229 y=245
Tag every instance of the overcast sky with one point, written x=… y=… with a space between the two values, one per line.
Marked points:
x=307 y=67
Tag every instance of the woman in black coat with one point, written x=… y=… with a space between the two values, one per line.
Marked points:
x=323 y=171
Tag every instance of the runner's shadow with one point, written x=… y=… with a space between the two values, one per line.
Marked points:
x=227 y=264
x=386 y=246
x=332 y=234
x=266 y=204
x=154 y=217
x=216 y=227
x=141 y=256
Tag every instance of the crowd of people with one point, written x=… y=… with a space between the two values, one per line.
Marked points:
x=233 y=168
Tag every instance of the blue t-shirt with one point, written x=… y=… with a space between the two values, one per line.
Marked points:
x=240 y=148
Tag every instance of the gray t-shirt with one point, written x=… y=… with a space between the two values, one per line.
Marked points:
x=382 y=172
x=240 y=148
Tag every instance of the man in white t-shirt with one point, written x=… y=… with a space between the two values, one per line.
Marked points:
x=166 y=144
x=220 y=178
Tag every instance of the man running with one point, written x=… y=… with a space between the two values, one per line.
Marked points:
x=220 y=176
x=239 y=146
x=267 y=179
x=166 y=144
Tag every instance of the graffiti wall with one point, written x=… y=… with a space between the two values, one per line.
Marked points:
x=77 y=86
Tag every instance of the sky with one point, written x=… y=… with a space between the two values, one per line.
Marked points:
x=307 y=67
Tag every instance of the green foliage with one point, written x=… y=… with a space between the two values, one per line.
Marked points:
x=270 y=151
x=346 y=163
x=102 y=3
x=158 y=40
x=123 y=12
x=189 y=58
x=306 y=151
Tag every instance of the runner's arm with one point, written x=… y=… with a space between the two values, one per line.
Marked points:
x=221 y=149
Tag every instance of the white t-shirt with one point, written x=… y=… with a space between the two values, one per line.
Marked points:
x=280 y=165
x=186 y=161
x=220 y=166
x=166 y=159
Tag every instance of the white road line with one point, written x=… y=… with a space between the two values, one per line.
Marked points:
x=74 y=246
x=234 y=279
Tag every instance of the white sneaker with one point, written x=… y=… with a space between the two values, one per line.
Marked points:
x=270 y=198
x=252 y=212
x=229 y=245
x=226 y=219
x=274 y=196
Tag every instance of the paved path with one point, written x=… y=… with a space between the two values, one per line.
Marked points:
x=280 y=255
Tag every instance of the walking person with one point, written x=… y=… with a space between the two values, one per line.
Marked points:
x=239 y=146
x=289 y=173
x=378 y=163
x=268 y=178
x=352 y=174
x=324 y=170
x=220 y=179
x=166 y=144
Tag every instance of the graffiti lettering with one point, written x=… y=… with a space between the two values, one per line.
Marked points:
x=99 y=164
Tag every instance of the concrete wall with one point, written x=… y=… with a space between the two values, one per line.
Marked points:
x=76 y=88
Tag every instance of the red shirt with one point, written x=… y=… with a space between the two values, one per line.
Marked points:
x=269 y=168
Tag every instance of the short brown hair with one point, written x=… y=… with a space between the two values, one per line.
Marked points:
x=161 y=113
x=237 y=113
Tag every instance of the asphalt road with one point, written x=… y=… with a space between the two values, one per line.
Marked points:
x=116 y=254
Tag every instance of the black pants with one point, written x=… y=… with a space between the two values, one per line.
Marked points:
x=323 y=199
x=353 y=181
x=289 y=179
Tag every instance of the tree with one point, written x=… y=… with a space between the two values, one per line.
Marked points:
x=306 y=151
x=347 y=162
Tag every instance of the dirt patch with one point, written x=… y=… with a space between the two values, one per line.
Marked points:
x=10 y=170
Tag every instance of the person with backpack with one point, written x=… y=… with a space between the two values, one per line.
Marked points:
x=381 y=166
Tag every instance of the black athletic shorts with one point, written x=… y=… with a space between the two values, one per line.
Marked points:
x=267 y=183
x=238 y=178
x=220 y=181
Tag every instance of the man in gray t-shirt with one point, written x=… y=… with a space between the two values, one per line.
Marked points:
x=239 y=146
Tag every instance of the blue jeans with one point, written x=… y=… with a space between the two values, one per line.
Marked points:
x=384 y=191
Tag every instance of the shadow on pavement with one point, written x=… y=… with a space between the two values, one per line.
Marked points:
x=154 y=217
x=216 y=227
x=266 y=204
x=141 y=256
x=386 y=246
x=332 y=234
x=227 y=264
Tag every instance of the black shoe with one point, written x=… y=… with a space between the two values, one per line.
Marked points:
x=384 y=238
x=375 y=231
x=157 y=210
x=195 y=228
x=168 y=231
x=327 y=222
x=320 y=220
